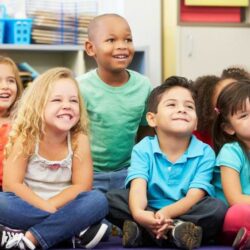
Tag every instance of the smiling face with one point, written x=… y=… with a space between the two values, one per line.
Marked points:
x=111 y=44
x=176 y=113
x=8 y=88
x=62 y=109
x=239 y=124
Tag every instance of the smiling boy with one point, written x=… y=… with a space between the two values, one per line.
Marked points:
x=115 y=99
x=169 y=177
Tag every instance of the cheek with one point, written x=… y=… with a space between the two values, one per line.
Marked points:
x=14 y=91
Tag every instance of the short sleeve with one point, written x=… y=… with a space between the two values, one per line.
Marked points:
x=140 y=163
x=204 y=172
x=231 y=155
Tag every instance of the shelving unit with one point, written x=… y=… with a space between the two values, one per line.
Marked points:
x=43 y=57
x=203 y=48
x=245 y=12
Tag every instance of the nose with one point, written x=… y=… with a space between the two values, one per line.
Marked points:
x=181 y=109
x=66 y=105
x=4 y=84
x=122 y=44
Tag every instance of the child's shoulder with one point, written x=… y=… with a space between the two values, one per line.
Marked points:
x=138 y=77
x=198 y=147
x=147 y=144
x=86 y=76
x=231 y=147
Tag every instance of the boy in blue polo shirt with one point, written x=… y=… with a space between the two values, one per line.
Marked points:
x=169 y=178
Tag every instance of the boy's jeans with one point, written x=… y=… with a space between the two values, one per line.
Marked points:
x=50 y=229
x=105 y=181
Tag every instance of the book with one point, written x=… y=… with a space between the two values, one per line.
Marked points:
x=226 y=3
x=209 y=14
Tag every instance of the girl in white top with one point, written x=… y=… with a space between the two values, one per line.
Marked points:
x=48 y=170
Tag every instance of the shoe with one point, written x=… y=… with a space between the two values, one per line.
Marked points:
x=131 y=236
x=242 y=240
x=14 y=239
x=91 y=236
x=186 y=235
x=116 y=231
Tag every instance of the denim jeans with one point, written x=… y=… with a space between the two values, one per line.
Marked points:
x=105 y=181
x=50 y=229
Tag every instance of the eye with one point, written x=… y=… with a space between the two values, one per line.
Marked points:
x=190 y=107
x=110 y=40
x=11 y=80
x=243 y=115
x=56 y=100
x=129 y=40
x=170 y=105
x=74 y=101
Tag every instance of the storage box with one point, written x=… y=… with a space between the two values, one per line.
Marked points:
x=1 y=30
x=2 y=16
x=18 y=31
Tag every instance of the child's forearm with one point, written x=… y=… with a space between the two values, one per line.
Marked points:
x=66 y=195
x=137 y=197
x=26 y=194
x=183 y=205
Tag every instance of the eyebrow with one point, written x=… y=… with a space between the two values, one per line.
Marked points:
x=62 y=95
x=172 y=99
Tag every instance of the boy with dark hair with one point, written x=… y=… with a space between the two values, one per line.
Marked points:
x=115 y=98
x=169 y=177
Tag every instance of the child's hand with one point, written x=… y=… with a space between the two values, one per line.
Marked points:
x=165 y=224
x=48 y=207
x=147 y=219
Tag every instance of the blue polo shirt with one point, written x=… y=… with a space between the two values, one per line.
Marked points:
x=168 y=182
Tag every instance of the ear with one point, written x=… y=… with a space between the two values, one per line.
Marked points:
x=151 y=119
x=228 y=128
x=89 y=48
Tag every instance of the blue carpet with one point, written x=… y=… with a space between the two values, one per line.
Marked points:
x=115 y=244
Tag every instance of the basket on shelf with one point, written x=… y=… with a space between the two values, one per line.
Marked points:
x=2 y=22
x=13 y=30
x=18 y=31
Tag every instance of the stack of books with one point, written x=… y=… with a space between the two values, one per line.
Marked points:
x=218 y=11
x=61 y=23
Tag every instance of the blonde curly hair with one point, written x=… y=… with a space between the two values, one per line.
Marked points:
x=28 y=125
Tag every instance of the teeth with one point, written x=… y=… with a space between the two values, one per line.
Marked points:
x=4 y=95
x=121 y=56
x=68 y=117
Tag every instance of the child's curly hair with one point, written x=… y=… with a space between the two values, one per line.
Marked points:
x=28 y=125
x=236 y=73
x=204 y=87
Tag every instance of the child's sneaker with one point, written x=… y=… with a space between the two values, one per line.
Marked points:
x=242 y=240
x=14 y=239
x=131 y=234
x=91 y=236
x=186 y=235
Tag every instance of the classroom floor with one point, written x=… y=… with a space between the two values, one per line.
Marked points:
x=115 y=244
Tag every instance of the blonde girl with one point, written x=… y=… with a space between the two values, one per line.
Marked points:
x=231 y=136
x=48 y=171
x=10 y=91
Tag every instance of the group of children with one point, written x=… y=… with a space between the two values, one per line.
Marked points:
x=70 y=160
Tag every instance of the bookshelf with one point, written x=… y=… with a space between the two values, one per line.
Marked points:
x=43 y=57
x=196 y=49
x=219 y=10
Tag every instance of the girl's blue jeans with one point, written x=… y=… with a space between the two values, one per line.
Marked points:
x=50 y=229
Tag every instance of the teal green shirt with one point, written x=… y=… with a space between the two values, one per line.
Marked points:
x=115 y=114
x=231 y=155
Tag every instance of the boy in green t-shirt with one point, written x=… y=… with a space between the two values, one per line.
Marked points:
x=115 y=99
